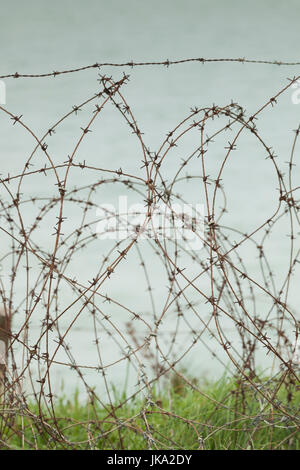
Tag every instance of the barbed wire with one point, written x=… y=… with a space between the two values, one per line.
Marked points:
x=205 y=296
x=165 y=63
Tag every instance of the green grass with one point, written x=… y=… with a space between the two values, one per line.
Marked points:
x=233 y=417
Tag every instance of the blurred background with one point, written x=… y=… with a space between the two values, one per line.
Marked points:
x=42 y=36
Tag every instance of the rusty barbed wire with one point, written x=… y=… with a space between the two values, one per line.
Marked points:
x=165 y=63
x=205 y=297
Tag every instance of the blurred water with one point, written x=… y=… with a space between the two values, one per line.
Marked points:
x=39 y=37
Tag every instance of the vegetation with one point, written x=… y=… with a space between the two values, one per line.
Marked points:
x=225 y=415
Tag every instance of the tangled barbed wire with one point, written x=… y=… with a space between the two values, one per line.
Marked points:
x=200 y=300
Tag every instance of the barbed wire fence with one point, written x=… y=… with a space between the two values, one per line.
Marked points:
x=208 y=293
